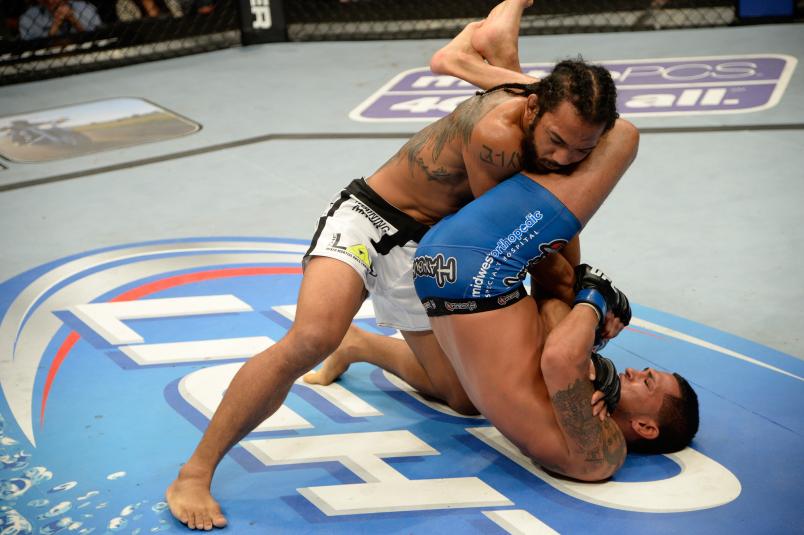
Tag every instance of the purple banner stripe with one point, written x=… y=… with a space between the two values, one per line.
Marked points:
x=693 y=70
x=696 y=85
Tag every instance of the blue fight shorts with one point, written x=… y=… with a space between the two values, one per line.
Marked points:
x=476 y=259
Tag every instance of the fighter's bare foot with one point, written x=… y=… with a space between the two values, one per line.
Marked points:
x=338 y=362
x=497 y=38
x=191 y=503
x=332 y=368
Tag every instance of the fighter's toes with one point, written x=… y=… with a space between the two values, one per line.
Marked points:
x=191 y=520
x=313 y=377
x=191 y=503
x=179 y=513
x=218 y=520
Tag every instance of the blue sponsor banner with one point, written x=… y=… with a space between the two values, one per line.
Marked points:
x=114 y=360
x=651 y=87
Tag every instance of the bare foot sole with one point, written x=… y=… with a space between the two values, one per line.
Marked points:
x=497 y=38
x=191 y=503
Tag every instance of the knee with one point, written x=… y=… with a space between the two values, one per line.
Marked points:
x=313 y=342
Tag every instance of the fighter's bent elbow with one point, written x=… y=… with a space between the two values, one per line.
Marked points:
x=576 y=471
x=579 y=469
x=627 y=135
x=556 y=356
x=590 y=477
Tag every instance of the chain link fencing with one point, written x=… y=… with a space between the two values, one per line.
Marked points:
x=46 y=38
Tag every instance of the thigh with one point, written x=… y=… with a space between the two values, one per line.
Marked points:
x=493 y=351
x=439 y=370
x=395 y=301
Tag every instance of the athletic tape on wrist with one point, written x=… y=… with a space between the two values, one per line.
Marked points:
x=595 y=299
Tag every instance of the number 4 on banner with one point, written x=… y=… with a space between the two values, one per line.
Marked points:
x=430 y=104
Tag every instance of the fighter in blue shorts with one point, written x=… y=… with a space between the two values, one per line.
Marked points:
x=529 y=372
x=476 y=259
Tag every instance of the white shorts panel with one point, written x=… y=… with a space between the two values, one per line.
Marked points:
x=350 y=230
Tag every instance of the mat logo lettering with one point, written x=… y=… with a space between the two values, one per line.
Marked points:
x=646 y=87
x=153 y=333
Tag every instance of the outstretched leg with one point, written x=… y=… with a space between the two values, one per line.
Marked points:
x=261 y=385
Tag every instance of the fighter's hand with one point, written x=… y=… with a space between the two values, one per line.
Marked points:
x=606 y=380
x=599 y=407
x=612 y=327
x=594 y=288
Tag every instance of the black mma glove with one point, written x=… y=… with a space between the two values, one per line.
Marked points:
x=606 y=380
x=593 y=287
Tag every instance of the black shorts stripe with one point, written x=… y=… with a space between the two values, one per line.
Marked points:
x=322 y=221
x=438 y=306
x=408 y=229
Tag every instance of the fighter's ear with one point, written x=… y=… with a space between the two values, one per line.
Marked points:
x=645 y=427
x=533 y=103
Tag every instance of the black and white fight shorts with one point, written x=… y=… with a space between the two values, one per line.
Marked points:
x=378 y=241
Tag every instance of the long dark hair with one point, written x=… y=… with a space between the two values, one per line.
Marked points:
x=589 y=88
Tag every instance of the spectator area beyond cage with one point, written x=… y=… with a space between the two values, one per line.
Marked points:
x=47 y=38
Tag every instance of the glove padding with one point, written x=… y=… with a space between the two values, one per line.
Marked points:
x=606 y=380
x=591 y=280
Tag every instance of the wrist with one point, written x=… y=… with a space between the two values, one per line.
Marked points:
x=594 y=299
x=593 y=308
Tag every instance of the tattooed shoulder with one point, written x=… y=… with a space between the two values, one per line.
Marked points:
x=500 y=158
x=600 y=445
x=425 y=150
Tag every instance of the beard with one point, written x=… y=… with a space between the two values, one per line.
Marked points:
x=531 y=161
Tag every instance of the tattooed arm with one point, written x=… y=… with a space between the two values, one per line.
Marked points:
x=595 y=449
x=492 y=154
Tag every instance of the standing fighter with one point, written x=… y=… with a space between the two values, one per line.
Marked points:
x=366 y=239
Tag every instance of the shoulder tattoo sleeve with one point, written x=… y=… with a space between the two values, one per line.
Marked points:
x=599 y=444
